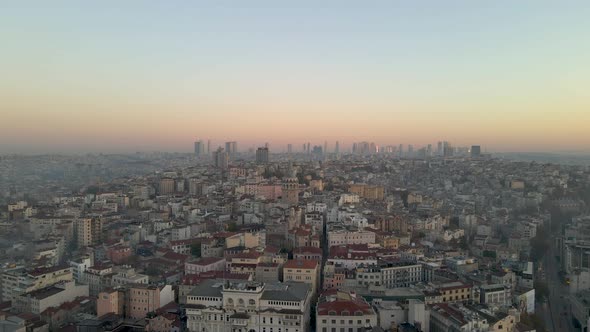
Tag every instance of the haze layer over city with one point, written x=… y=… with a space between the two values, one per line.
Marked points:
x=265 y=166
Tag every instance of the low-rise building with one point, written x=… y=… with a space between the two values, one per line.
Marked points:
x=341 y=311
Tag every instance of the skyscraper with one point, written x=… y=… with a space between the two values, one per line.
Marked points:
x=262 y=155
x=199 y=148
x=337 y=148
x=325 y=147
x=475 y=151
x=221 y=159
x=232 y=149
x=447 y=149
x=208 y=147
x=289 y=148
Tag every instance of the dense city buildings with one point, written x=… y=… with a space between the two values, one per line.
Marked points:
x=395 y=238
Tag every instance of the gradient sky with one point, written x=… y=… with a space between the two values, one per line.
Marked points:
x=117 y=76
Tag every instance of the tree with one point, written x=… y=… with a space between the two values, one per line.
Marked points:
x=196 y=250
x=232 y=227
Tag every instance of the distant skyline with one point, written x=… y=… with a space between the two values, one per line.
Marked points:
x=146 y=76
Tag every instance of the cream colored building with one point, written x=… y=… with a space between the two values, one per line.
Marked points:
x=53 y=296
x=303 y=270
x=89 y=231
x=18 y=281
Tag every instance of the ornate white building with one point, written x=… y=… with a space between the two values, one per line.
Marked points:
x=245 y=306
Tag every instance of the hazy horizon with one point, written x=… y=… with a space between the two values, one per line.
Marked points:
x=117 y=77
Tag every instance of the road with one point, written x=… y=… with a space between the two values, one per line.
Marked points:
x=556 y=312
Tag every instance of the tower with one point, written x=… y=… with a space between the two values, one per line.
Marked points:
x=262 y=155
x=231 y=148
x=221 y=159
x=475 y=151
x=290 y=189
x=199 y=148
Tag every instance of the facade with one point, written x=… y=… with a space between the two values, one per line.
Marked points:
x=127 y=275
x=205 y=264
x=166 y=186
x=142 y=299
x=455 y=291
x=302 y=270
x=341 y=311
x=110 y=301
x=53 y=296
x=348 y=237
x=89 y=231
x=221 y=159
x=495 y=294
x=367 y=191
x=268 y=272
x=18 y=281
x=262 y=155
x=234 y=306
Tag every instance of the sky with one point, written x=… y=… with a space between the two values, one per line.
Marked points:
x=126 y=76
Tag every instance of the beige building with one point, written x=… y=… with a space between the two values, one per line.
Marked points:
x=166 y=186
x=302 y=270
x=89 y=231
x=341 y=311
x=367 y=191
x=110 y=301
x=346 y=237
x=246 y=239
x=18 y=281
x=142 y=299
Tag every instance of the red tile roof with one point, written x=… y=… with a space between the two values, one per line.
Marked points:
x=301 y=264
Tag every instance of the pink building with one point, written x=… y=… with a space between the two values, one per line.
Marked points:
x=119 y=254
x=110 y=301
x=271 y=191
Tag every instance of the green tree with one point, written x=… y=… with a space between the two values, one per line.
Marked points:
x=196 y=250
x=232 y=227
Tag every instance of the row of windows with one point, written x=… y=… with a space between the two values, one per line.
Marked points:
x=230 y=301
x=203 y=298
x=350 y=322
x=285 y=303
x=343 y=313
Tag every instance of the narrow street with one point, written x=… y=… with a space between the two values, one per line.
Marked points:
x=556 y=311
